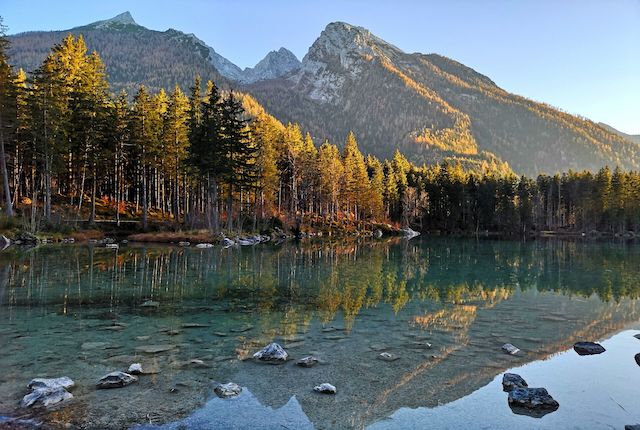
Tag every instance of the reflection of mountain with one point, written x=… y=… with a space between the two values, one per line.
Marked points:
x=244 y=411
x=344 y=303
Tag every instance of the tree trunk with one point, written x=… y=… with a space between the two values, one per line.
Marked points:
x=5 y=175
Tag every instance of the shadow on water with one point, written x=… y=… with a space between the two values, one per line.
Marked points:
x=444 y=306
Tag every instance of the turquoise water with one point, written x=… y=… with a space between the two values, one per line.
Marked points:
x=443 y=306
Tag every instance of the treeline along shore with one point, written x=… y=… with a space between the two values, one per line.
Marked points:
x=73 y=154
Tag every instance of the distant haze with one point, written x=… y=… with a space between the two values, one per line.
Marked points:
x=580 y=56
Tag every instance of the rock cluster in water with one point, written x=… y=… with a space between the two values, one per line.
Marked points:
x=535 y=402
x=272 y=353
x=588 y=348
x=47 y=392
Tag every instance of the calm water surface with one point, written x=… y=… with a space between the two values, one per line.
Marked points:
x=444 y=306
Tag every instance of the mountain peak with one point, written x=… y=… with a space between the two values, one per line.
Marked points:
x=345 y=44
x=123 y=19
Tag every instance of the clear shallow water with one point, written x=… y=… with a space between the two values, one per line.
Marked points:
x=76 y=311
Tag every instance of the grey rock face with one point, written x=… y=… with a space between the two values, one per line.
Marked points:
x=511 y=381
x=325 y=388
x=532 y=398
x=229 y=389
x=116 y=380
x=588 y=348
x=272 y=353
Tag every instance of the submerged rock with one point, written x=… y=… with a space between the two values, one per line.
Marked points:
x=272 y=353
x=47 y=392
x=387 y=356
x=63 y=382
x=588 y=348
x=510 y=349
x=632 y=427
x=184 y=243
x=135 y=369
x=45 y=396
x=409 y=233
x=377 y=234
x=116 y=380
x=154 y=349
x=637 y=357
x=532 y=398
x=229 y=389
x=309 y=361
x=511 y=381
x=150 y=304
x=325 y=388
x=5 y=242
x=226 y=242
x=204 y=245
x=637 y=336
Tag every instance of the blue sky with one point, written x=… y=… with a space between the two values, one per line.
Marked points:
x=582 y=56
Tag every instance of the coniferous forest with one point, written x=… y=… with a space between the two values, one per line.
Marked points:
x=71 y=151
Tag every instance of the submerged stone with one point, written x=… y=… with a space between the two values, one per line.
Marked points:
x=204 y=245
x=116 y=380
x=45 y=396
x=511 y=381
x=150 y=304
x=63 y=382
x=154 y=349
x=272 y=353
x=510 y=349
x=637 y=357
x=309 y=361
x=325 y=388
x=387 y=356
x=588 y=348
x=135 y=369
x=229 y=389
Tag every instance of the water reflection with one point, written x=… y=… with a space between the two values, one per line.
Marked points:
x=443 y=306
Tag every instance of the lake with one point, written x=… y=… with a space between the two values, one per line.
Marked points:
x=443 y=307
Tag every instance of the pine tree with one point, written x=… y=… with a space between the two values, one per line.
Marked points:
x=356 y=180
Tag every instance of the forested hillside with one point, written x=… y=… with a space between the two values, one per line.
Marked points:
x=133 y=54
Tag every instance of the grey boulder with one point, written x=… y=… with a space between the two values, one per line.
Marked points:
x=533 y=399
x=63 y=382
x=116 y=380
x=47 y=392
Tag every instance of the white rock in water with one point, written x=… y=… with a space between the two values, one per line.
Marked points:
x=135 y=369
x=184 y=243
x=116 y=380
x=227 y=390
x=510 y=349
x=63 y=382
x=387 y=356
x=409 y=233
x=45 y=396
x=112 y=246
x=204 y=245
x=325 y=388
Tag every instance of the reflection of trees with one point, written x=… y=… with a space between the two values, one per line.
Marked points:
x=320 y=278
